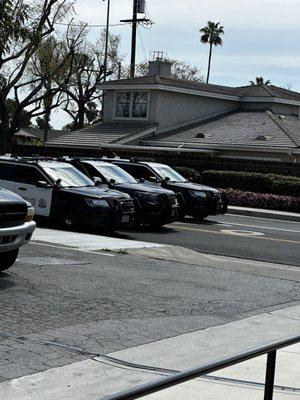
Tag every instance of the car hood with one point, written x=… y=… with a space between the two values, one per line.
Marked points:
x=7 y=196
x=141 y=187
x=191 y=186
x=95 y=192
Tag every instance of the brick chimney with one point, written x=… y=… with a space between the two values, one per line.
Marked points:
x=160 y=67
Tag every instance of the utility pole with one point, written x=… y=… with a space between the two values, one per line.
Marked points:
x=106 y=40
x=135 y=21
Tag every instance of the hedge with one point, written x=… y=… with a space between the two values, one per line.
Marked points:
x=252 y=182
x=265 y=201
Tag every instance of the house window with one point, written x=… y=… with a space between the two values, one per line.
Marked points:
x=131 y=105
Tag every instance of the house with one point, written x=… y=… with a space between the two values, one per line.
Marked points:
x=158 y=112
x=34 y=136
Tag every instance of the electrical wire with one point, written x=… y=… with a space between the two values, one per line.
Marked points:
x=142 y=43
x=90 y=25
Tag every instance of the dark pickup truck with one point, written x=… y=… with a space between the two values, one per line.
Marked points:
x=16 y=226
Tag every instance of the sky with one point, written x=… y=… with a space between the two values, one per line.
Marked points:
x=261 y=37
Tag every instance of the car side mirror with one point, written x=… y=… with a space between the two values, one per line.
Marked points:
x=191 y=179
x=42 y=184
x=142 y=180
x=167 y=179
x=112 y=181
x=97 y=181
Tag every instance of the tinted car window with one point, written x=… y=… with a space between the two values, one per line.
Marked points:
x=9 y=172
x=138 y=171
x=30 y=175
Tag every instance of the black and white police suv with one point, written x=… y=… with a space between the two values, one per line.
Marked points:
x=16 y=226
x=58 y=191
x=154 y=207
x=196 y=200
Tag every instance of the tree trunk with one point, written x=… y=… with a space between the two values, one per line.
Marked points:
x=46 y=125
x=5 y=131
x=209 y=62
x=81 y=114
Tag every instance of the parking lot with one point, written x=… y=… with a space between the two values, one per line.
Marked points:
x=61 y=305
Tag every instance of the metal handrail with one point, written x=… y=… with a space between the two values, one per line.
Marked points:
x=207 y=368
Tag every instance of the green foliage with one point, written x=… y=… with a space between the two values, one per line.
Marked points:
x=23 y=115
x=253 y=182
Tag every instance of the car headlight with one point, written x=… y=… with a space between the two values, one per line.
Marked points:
x=97 y=202
x=30 y=213
x=198 y=193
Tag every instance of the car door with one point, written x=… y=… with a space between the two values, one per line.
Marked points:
x=8 y=175
x=34 y=186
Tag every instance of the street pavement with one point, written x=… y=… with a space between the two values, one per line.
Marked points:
x=231 y=235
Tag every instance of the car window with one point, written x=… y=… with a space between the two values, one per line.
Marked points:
x=10 y=172
x=69 y=176
x=111 y=171
x=30 y=175
x=139 y=171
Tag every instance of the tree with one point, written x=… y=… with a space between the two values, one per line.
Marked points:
x=212 y=33
x=259 y=80
x=83 y=94
x=24 y=26
x=24 y=117
x=41 y=122
x=180 y=70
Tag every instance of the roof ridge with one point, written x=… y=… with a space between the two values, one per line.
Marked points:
x=283 y=127
x=268 y=90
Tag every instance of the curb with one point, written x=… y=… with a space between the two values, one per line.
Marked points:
x=252 y=212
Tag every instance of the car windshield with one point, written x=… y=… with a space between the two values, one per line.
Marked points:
x=114 y=172
x=165 y=171
x=68 y=176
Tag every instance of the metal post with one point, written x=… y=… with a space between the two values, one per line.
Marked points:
x=106 y=40
x=133 y=39
x=270 y=375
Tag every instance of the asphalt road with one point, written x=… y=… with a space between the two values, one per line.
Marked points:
x=231 y=235
x=60 y=306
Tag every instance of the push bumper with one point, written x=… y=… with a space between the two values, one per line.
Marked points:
x=14 y=237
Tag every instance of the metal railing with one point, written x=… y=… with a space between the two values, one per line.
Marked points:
x=207 y=368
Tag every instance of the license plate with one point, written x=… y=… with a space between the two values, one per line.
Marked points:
x=125 y=218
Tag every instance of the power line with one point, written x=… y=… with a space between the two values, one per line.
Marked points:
x=90 y=25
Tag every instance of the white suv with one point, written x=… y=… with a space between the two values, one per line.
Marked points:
x=16 y=226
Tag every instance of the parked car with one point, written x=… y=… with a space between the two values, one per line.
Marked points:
x=60 y=192
x=153 y=206
x=16 y=226
x=195 y=199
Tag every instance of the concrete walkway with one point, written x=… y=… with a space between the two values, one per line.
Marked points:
x=262 y=213
x=97 y=377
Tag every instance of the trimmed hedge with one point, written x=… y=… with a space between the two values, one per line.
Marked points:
x=265 y=201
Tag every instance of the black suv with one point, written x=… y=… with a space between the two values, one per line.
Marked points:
x=16 y=226
x=154 y=206
x=195 y=199
x=60 y=192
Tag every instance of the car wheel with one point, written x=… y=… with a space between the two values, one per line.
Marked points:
x=200 y=218
x=8 y=258
x=66 y=219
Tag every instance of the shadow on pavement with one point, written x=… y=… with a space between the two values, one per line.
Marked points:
x=5 y=283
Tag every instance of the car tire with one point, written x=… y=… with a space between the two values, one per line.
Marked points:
x=65 y=218
x=8 y=258
x=200 y=218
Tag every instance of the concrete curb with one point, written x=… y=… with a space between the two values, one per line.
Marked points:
x=258 y=212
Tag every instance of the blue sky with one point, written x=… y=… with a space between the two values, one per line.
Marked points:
x=261 y=36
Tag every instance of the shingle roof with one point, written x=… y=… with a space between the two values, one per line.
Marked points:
x=240 y=128
x=267 y=91
x=100 y=133
x=39 y=133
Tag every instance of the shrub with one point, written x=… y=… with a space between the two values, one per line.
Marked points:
x=189 y=173
x=253 y=182
x=266 y=201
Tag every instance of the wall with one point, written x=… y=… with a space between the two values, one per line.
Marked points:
x=277 y=108
x=177 y=108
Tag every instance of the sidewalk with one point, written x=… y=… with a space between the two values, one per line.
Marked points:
x=262 y=213
x=95 y=378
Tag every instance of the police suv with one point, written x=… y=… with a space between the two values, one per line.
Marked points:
x=154 y=206
x=195 y=199
x=58 y=191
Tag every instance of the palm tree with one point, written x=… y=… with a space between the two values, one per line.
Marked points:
x=259 y=80
x=212 y=33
